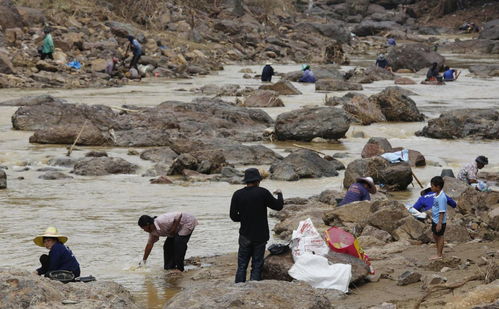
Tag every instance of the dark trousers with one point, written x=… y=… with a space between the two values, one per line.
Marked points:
x=44 y=56
x=174 y=251
x=135 y=61
x=44 y=260
x=250 y=250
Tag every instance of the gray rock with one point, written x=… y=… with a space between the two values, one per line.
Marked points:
x=485 y=70
x=123 y=30
x=368 y=75
x=6 y=66
x=490 y=30
x=161 y=154
x=96 y=154
x=54 y=175
x=396 y=106
x=63 y=161
x=369 y=27
x=408 y=277
x=263 y=98
x=304 y=164
x=9 y=15
x=104 y=166
x=282 y=87
x=335 y=31
x=307 y=123
x=254 y=294
x=336 y=85
x=413 y=57
x=3 y=179
x=31 y=100
x=361 y=109
x=183 y=161
x=472 y=123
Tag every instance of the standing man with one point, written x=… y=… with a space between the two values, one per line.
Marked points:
x=469 y=172
x=136 y=50
x=249 y=206
x=267 y=72
x=47 y=46
x=177 y=227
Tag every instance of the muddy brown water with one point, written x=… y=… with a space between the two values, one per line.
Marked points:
x=99 y=214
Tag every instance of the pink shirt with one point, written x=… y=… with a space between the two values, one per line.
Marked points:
x=164 y=225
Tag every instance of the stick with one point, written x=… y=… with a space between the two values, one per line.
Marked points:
x=419 y=183
x=303 y=147
x=77 y=138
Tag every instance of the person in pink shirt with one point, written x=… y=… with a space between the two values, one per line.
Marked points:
x=177 y=227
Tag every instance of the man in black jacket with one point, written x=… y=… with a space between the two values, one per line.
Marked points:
x=267 y=72
x=249 y=206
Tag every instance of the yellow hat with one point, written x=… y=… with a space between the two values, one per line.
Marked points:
x=49 y=232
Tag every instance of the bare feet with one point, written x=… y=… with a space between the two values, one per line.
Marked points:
x=436 y=257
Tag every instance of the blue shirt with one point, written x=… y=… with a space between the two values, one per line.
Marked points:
x=439 y=205
x=308 y=77
x=449 y=74
x=425 y=202
x=136 y=47
x=391 y=42
x=382 y=63
x=356 y=192
x=61 y=258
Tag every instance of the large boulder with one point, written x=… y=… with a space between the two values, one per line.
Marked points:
x=368 y=75
x=392 y=176
x=485 y=70
x=307 y=123
x=160 y=154
x=276 y=267
x=472 y=123
x=282 y=87
x=335 y=31
x=103 y=166
x=22 y=289
x=31 y=100
x=254 y=294
x=336 y=85
x=490 y=30
x=376 y=146
x=304 y=163
x=249 y=154
x=361 y=109
x=396 y=106
x=9 y=15
x=413 y=57
x=3 y=179
x=263 y=98
x=387 y=216
x=6 y=66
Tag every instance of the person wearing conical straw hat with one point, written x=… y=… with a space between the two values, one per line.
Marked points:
x=359 y=191
x=60 y=257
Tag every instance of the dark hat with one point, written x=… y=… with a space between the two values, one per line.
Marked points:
x=130 y=38
x=251 y=175
x=482 y=159
x=47 y=30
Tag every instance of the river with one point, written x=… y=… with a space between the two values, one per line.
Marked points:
x=99 y=214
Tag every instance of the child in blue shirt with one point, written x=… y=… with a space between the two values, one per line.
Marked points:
x=425 y=201
x=438 y=215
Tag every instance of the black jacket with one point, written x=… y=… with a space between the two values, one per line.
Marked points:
x=267 y=73
x=249 y=206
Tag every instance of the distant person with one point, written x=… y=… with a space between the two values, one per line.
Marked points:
x=249 y=206
x=438 y=215
x=177 y=227
x=469 y=172
x=391 y=42
x=136 y=50
x=47 y=48
x=60 y=257
x=433 y=73
x=383 y=63
x=267 y=72
x=111 y=66
x=359 y=191
x=308 y=76
x=425 y=201
x=450 y=74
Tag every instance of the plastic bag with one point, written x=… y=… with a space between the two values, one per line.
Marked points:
x=316 y=271
x=306 y=239
x=417 y=214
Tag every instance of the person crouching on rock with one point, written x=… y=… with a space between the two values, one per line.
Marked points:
x=177 y=227
x=249 y=206
x=469 y=172
x=359 y=191
x=433 y=73
x=383 y=63
x=60 y=257
x=308 y=76
x=267 y=72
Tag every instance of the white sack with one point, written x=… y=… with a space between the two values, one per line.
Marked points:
x=306 y=239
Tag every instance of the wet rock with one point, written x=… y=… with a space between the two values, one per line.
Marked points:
x=48 y=169
x=362 y=110
x=158 y=169
x=336 y=85
x=54 y=176
x=282 y=87
x=9 y=15
x=376 y=146
x=63 y=161
x=408 y=277
x=306 y=123
x=396 y=106
x=490 y=30
x=254 y=294
x=368 y=75
x=304 y=164
x=6 y=66
x=31 y=100
x=22 y=289
x=68 y=134
x=411 y=228
x=263 y=98
x=249 y=154
x=161 y=180
x=404 y=81
x=3 y=179
x=161 y=154
x=486 y=70
x=330 y=197
x=210 y=161
x=103 y=166
x=357 y=212
x=413 y=56
x=393 y=176
x=183 y=161
x=473 y=123
x=96 y=154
